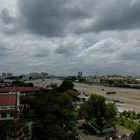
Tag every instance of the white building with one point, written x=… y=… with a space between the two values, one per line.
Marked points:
x=9 y=105
x=82 y=97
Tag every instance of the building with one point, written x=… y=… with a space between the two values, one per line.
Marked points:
x=82 y=97
x=9 y=105
x=80 y=74
x=4 y=75
x=44 y=75
x=34 y=75
x=21 y=89
x=9 y=75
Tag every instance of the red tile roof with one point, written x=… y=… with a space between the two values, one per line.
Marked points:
x=7 y=99
x=17 y=88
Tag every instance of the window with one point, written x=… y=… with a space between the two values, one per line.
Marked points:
x=11 y=114
x=3 y=107
x=12 y=107
x=3 y=115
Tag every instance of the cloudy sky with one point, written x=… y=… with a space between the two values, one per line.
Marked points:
x=66 y=36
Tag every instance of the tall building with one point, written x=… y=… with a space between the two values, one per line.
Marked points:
x=3 y=75
x=9 y=74
x=80 y=74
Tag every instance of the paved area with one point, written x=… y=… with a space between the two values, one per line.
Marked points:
x=121 y=130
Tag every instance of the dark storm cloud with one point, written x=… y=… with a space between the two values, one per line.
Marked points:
x=50 y=17
x=119 y=15
x=10 y=23
x=114 y=15
x=57 y=18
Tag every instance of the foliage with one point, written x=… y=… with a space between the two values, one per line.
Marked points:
x=138 y=115
x=5 y=126
x=47 y=131
x=50 y=110
x=110 y=113
x=131 y=115
x=72 y=94
x=27 y=103
x=27 y=100
x=54 y=113
x=97 y=110
x=20 y=83
x=66 y=85
x=11 y=128
x=127 y=124
x=136 y=135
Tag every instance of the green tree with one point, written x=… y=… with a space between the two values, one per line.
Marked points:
x=110 y=113
x=47 y=131
x=96 y=110
x=5 y=126
x=136 y=135
x=20 y=83
x=66 y=85
x=53 y=109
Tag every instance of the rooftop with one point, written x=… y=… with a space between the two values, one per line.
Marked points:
x=82 y=96
x=17 y=88
x=7 y=99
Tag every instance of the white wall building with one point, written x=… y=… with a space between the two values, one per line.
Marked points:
x=9 y=105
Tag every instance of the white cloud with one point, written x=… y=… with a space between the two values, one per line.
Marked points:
x=77 y=47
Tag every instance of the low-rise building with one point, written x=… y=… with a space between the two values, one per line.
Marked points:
x=21 y=89
x=82 y=97
x=9 y=105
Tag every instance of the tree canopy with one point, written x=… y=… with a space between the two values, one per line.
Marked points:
x=20 y=83
x=66 y=85
x=136 y=135
x=54 y=113
x=98 y=111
